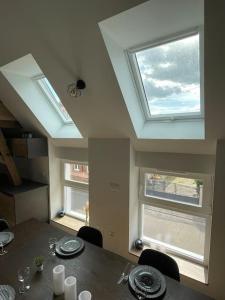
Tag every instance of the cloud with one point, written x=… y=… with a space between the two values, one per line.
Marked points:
x=170 y=75
x=161 y=88
x=178 y=61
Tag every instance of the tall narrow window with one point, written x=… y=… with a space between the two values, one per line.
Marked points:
x=76 y=198
x=167 y=76
x=175 y=213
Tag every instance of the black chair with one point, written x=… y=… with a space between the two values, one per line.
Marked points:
x=91 y=235
x=3 y=225
x=164 y=263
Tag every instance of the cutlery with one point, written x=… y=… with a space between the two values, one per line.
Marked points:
x=140 y=297
x=124 y=275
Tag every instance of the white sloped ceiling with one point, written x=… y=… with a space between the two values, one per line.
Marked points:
x=65 y=40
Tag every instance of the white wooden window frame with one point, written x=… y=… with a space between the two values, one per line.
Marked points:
x=51 y=98
x=137 y=80
x=204 y=211
x=82 y=186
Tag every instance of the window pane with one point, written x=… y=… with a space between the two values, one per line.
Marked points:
x=76 y=172
x=183 y=231
x=76 y=202
x=54 y=99
x=177 y=189
x=171 y=76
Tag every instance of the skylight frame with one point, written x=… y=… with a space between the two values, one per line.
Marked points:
x=51 y=98
x=138 y=83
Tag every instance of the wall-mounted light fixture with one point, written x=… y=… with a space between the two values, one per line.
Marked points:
x=75 y=89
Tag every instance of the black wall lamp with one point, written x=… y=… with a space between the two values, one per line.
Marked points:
x=76 y=89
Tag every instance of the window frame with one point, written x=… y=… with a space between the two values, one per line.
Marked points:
x=205 y=211
x=46 y=90
x=138 y=83
x=82 y=186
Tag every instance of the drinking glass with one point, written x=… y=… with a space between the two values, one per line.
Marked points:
x=3 y=251
x=24 y=279
x=52 y=246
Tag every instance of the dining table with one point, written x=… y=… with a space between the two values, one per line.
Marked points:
x=96 y=269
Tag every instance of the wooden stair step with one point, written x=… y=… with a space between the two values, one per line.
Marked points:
x=8 y=161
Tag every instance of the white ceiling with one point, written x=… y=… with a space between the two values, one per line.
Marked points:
x=65 y=40
x=148 y=22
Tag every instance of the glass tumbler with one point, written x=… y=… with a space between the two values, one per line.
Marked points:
x=2 y=251
x=52 y=246
x=24 y=279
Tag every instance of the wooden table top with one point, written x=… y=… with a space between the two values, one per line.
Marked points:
x=96 y=269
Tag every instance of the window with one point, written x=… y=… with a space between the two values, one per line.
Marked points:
x=168 y=78
x=171 y=188
x=48 y=90
x=75 y=181
x=77 y=173
x=76 y=167
x=175 y=213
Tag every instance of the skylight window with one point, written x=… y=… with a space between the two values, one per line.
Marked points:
x=54 y=99
x=167 y=76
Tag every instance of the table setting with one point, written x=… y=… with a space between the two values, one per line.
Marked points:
x=7 y=292
x=6 y=237
x=43 y=262
x=65 y=247
x=144 y=282
x=68 y=246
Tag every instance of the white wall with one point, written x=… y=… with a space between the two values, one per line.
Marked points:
x=55 y=187
x=74 y=154
x=113 y=194
x=109 y=169
x=214 y=68
x=193 y=163
x=217 y=254
x=133 y=203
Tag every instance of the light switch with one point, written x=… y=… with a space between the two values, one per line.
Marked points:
x=115 y=187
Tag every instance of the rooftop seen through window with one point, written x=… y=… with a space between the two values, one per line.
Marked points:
x=168 y=77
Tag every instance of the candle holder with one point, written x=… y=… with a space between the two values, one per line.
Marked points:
x=70 y=288
x=58 y=279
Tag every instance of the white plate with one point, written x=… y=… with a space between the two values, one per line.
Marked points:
x=65 y=239
x=137 y=284
x=6 y=237
x=7 y=292
x=70 y=246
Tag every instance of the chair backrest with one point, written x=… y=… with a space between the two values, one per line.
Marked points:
x=163 y=262
x=91 y=235
x=3 y=225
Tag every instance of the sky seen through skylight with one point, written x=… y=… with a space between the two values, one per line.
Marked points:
x=170 y=75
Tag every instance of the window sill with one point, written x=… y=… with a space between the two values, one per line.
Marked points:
x=187 y=268
x=68 y=223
